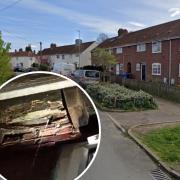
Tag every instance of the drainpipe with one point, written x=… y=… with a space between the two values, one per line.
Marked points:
x=170 y=61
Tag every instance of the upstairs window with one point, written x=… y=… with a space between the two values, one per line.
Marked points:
x=57 y=56
x=119 y=50
x=156 y=69
x=141 y=47
x=156 y=47
x=63 y=56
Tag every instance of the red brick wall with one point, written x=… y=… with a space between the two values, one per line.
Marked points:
x=131 y=55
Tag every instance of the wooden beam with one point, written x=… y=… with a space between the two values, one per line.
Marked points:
x=36 y=89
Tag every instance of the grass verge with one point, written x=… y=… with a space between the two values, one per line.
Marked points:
x=165 y=142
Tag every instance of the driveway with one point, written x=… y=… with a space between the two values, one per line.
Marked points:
x=167 y=111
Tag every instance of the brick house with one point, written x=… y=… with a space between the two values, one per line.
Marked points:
x=78 y=53
x=151 y=54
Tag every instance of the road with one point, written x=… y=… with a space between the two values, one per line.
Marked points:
x=118 y=157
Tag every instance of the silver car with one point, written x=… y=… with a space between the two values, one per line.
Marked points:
x=85 y=77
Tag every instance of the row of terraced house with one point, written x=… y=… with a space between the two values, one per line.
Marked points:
x=78 y=54
x=151 y=54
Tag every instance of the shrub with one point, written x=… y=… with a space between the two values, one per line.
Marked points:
x=115 y=96
x=43 y=67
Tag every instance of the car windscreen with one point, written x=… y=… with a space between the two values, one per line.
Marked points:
x=78 y=73
x=92 y=74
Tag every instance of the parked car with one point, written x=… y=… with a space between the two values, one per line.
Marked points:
x=63 y=68
x=19 y=69
x=85 y=77
x=31 y=69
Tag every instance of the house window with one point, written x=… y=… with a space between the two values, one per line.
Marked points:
x=156 y=47
x=110 y=51
x=121 y=67
x=138 y=67
x=117 y=69
x=156 y=69
x=141 y=47
x=63 y=56
x=119 y=50
x=57 y=56
x=77 y=55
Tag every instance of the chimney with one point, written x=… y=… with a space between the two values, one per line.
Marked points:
x=53 y=45
x=122 y=32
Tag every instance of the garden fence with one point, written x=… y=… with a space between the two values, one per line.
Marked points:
x=155 y=88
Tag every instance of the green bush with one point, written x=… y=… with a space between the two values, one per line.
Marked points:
x=5 y=66
x=43 y=67
x=115 y=96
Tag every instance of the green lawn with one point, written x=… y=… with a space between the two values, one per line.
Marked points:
x=165 y=142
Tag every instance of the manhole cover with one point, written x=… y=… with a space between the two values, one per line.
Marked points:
x=158 y=174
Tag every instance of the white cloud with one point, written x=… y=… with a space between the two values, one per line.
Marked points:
x=95 y=23
x=137 y=24
x=9 y=34
x=34 y=46
x=174 y=12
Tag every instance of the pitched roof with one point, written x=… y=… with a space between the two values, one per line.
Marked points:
x=68 y=49
x=22 y=54
x=158 y=32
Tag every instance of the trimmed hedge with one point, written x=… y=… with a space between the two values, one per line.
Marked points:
x=119 y=97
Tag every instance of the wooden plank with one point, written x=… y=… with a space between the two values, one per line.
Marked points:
x=36 y=90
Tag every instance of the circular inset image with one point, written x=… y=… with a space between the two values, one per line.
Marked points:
x=49 y=128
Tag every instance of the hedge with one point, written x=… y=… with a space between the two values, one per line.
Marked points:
x=119 y=97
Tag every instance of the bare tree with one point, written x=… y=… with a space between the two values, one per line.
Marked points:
x=102 y=37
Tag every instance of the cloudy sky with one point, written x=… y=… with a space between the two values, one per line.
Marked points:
x=25 y=22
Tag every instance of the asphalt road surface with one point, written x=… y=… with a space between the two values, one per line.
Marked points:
x=119 y=158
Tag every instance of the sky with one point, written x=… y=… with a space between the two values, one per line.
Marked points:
x=24 y=22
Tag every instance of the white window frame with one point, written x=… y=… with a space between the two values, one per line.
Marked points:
x=110 y=51
x=154 y=43
x=138 y=67
x=121 y=67
x=157 y=73
x=119 y=50
x=141 y=47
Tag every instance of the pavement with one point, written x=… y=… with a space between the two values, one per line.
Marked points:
x=118 y=157
x=167 y=111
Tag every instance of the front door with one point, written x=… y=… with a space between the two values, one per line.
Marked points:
x=143 y=72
